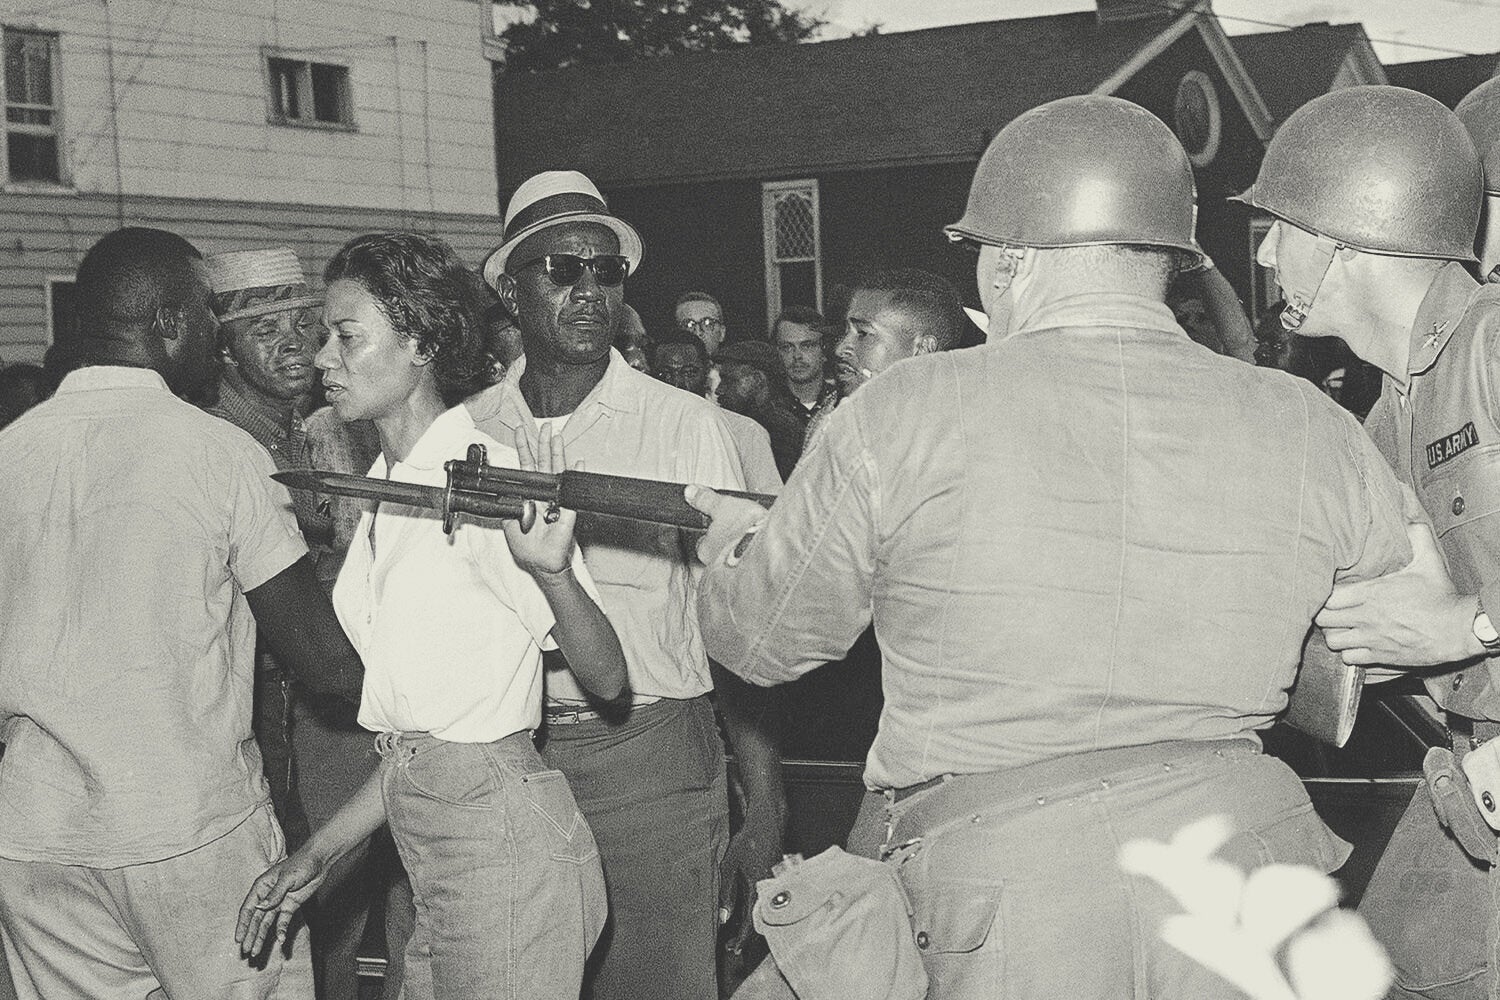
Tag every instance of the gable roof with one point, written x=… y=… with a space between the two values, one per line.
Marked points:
x=1292 y=67
x=940 y=95
x=1448 y=80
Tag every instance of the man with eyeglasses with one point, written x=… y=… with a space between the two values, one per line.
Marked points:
x=700 y=314
x=649 y=773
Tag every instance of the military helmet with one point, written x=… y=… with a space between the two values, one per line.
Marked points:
x=1480 y=114
x=1381 y=169
x=1082 y=171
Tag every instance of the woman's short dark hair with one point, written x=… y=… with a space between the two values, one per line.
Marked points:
x=426 y=293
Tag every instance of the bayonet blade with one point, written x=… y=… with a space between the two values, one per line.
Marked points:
x=344 y=485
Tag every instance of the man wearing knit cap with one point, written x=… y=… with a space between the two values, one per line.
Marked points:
x=753 y=383
x=648 y=774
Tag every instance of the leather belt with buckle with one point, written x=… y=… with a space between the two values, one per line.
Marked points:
x=559 y=716
x=897 y=794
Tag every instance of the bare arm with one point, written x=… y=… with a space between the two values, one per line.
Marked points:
x=296 y=618
x=583 y=635
x=278 y=892
x=1411 y=618
x=752 y=721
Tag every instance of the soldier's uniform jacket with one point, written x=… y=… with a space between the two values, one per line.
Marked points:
x=1441 y=434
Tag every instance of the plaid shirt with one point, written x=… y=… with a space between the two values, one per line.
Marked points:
x=288 y=448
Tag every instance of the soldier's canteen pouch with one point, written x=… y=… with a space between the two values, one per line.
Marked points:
x=839 y=928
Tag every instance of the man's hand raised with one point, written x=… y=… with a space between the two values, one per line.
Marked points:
x=1410 y=618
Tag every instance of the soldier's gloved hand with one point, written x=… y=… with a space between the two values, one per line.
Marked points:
x=735 y=522
x=1410 y=618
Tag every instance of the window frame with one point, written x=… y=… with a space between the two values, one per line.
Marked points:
x=64 y=179
x=49 y=282
x=769 y=191
x=305 y=91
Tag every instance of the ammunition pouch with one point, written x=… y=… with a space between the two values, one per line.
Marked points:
x=839 y=928
x=1454 y=802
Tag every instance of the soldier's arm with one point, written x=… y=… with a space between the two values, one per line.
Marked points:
x=1396 y=605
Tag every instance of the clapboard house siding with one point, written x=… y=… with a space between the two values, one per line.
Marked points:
x=166 y=120
x=47 y=236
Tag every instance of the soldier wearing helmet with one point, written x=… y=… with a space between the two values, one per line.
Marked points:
x=1480 y=114
x=1377 y=193
x=1090 y=577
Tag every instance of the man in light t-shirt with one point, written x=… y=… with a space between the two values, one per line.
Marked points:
x=137 y=537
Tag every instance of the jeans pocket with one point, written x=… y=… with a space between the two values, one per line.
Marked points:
x=551 y=800
x=453 y=774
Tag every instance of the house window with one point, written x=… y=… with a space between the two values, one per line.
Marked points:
x=309 y=93
x=62 y=311
x=793 y=246
x=32 y=152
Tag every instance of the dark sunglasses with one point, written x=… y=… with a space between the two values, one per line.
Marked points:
x=565 y=269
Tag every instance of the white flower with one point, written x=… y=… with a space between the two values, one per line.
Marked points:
x=1237 y=925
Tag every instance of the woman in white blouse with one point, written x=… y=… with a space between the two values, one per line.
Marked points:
x=451 y=628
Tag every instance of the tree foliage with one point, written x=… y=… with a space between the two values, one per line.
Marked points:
x=578 y=32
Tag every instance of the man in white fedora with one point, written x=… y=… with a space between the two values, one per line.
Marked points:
x=648 y=774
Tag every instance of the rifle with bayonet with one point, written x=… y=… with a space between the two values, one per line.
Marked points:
x=479 y=489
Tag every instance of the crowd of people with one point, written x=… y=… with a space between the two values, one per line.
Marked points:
x=1090 y=550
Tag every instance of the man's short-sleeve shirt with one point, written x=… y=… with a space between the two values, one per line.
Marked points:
x=130 y=527
x=631 y=424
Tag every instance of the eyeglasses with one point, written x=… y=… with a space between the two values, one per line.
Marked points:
x=566 y=269
x=708 y=324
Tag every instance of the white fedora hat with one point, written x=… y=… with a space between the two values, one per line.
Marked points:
x=549 y=199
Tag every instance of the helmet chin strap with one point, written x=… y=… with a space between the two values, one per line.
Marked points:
x=1299 y=297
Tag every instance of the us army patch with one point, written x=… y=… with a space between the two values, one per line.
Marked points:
x=1452 y=446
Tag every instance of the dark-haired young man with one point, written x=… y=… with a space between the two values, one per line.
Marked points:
x=893 y=314
x=798 y=335
x=138 y=538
